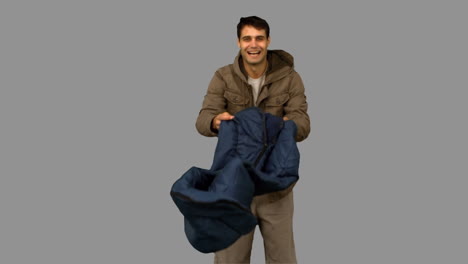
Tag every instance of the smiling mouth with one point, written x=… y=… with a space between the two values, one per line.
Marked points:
x=253 y=53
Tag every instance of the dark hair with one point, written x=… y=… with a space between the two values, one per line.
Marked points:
x=255 y=22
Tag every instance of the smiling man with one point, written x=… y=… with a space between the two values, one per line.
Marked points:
x=265 y=79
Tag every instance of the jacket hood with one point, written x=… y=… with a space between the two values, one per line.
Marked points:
x=280 y=64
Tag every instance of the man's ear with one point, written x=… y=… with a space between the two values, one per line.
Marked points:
x=238 y=43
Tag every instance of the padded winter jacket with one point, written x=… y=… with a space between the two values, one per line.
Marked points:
x=282 y=94
x=256 y=154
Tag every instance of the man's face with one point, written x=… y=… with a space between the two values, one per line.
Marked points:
x=253 y=45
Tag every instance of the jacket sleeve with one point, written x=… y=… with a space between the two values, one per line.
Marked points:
x=296 y=107
x=214 y=103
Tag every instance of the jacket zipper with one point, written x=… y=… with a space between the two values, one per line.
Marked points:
x=265 y=143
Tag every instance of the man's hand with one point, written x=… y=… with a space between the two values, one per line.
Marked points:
x=285 y=118
x=216 y=122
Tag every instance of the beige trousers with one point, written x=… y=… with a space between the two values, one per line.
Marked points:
x=274 y=213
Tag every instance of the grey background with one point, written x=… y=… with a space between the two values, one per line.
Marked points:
x=98 y=103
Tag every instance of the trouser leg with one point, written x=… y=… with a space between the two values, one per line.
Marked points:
x=276 y=226
x=238 y=252
x=275 y=219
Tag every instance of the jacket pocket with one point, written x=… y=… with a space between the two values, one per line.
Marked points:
x=277 y=100
x=274 y=104
x=234 y=102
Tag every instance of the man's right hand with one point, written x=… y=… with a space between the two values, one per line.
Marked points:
x=216 y=122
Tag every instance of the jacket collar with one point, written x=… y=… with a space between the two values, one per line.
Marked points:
x=280 y=64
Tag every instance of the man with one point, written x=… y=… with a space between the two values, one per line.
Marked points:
x=265 y=79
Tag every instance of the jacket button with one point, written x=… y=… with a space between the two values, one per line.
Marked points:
x=235 y=99
x=278 y=101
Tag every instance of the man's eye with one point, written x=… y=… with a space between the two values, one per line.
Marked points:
x=246 y=39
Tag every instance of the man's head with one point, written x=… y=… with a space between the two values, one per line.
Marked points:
x=253 y=21
x=253 y=38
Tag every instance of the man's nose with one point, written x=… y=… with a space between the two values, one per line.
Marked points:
x=253 y=43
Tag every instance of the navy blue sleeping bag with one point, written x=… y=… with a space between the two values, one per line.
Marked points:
x=256 y=154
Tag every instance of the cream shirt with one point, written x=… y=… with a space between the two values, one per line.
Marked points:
x=256 y=84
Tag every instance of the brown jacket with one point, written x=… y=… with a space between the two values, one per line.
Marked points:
x=282 y=93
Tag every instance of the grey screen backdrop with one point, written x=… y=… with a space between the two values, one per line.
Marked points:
x=98 y=103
